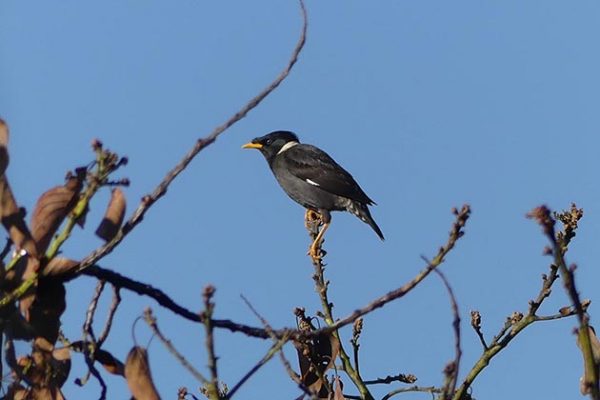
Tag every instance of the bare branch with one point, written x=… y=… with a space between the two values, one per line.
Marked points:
x=451 y=370
x=111 y=314
x=321 y=285
x=151 y=321
x=121 y=281
x=274 y=349
x=211 y=387
x=456 y=233
x=424 y=389
x=202 y=143
x=517 y=322
x=476 y=324
x=410 y=378
x=560 y=242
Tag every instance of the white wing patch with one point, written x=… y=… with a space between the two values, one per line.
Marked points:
x=287 y=146
x=312 y=182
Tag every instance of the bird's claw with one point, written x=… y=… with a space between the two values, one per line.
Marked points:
x=315 y=252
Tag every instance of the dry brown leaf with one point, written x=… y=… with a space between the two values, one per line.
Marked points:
x=315 y=358
x=113 y=218
x=13 y=220
x=47 y=308
x=51 y=209
x=46 y=393
x=109 y=362
x=338 y=387
x=137 y=373
x=3 y=146
x=60 y=267
x=26 y=301
x=61 y=365
x=16 y=392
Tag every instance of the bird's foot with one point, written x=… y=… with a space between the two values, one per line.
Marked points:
x=312 y=219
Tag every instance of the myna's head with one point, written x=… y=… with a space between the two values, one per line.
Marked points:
x=273 y=143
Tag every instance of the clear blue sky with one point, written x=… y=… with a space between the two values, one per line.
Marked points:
x=430 y=104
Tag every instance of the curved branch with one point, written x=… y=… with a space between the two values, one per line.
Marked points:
x=201 y=143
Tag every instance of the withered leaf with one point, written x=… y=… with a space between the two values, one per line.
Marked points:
x=32 y=267
x=47 y=308
x=113 y=218
x=51 y=209
x=60 y=267
x=3 y=146
x=315 y=357
x=16 y=392
x=13 y=220
x=109 y=362
x=61 y=366
x=46 y=393
x=338 y=387
x=137 y=373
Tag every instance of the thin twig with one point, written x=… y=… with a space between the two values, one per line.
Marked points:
x=559 y=243
x=200 y=144
x=88 y=332
x=452 y=369
x=284 y=360
x=152 y=323
x=274 y=349
x=88 y=328
x=111 y=315
x=410 y=378
x=357 y=328
x=518 y=322
x=425 y=389
x=476 y=325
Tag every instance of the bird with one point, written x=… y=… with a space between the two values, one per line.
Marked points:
x=314 y=180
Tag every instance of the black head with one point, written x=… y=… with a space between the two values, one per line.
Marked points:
x=272 y=143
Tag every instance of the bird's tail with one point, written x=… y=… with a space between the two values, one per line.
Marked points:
x=362 y=211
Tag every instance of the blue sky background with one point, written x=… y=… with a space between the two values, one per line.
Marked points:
x=430 y=104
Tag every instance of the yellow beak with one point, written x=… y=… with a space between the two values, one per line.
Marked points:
x=252 y=146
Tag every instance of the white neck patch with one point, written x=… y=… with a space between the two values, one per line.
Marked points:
x=287 y=146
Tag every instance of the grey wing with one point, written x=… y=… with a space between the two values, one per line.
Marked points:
x=316 y=167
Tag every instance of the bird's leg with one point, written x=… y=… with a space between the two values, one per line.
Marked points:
x=323 y=218
x=315 y=248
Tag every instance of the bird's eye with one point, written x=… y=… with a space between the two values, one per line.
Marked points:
x=269 y=141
